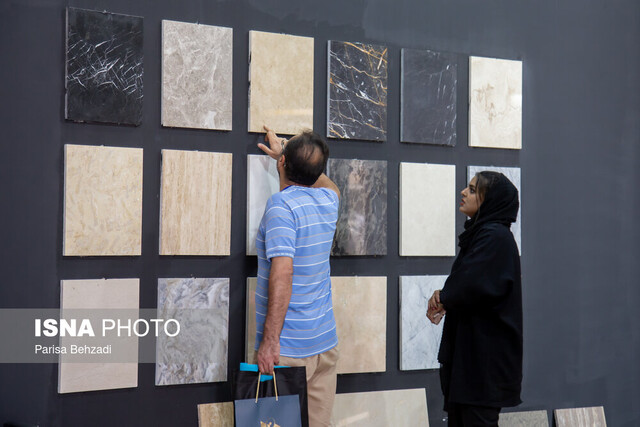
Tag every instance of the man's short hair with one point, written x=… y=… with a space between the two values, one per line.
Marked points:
x=305 y=158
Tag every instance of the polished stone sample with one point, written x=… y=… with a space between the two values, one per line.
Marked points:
x=198 y=354
x=513 y=174
x=262 y=182
x=524 y=419
x=98 y=294
x=362 y=219
x=580 y=417
x=216 y=415
x=280 y=82
x=357 y=91
x=104 y=67
x=381 y=408
x=428 y=97
x=495 y=103
x=196 y=75
x=102 y=201
x=427 y=209
x=250 y=324
x=195 y=203
x=419 y=338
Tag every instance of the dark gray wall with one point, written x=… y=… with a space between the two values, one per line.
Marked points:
x=581 y=138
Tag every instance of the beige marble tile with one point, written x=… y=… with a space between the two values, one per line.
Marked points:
x=196 y=75
x=427 y=209
x=580 y=417
x=495 y=103
x=98 y=294
x=102 y=201
x=381 y=409
x=280 y=82
x=216 y=415
x=250 y=324
x=524 y=419
x=195 y=203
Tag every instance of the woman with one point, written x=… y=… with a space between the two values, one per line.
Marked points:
x=481 y=348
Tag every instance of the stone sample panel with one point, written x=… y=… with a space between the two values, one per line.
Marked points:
x=428 y=97
x=280 y=82
x=419 y=338
x=197 y=75
x=195 y=203
x=104 y=67
x=495 y=103
x=362 y=219
x=98 y=294
x=357 y=91
x=198 y=354
x=580 y=417
x=381 y=409
x=262 y=182
x=102 y=201
x=524 y=419
x=216 y=415
x=427 y=209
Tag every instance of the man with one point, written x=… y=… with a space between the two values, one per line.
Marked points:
x=294 y=310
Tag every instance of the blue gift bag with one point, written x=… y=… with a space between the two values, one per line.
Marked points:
x=283 y=411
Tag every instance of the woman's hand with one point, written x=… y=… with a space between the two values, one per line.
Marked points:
x=276 y=144
x=435 y=310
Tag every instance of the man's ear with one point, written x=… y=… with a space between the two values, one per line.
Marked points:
x=281 y=161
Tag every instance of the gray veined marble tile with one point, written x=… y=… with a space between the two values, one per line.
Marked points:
x=580 y=417
x=198 y=354
x=524 y=419
x=428 y=97
x=362 y=219
x=419 y=338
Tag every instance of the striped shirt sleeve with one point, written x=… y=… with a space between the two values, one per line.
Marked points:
x=280 y=231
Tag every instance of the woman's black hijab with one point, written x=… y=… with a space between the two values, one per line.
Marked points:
x=500 y=205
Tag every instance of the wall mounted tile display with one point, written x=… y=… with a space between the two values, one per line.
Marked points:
x=427 y=209
x=524 y=419
x=513 y=174
x=279 y=97
x=428 y=97
x=360 y=309
x=381 y=408
x=419 y=338
x=362 y=220
x=578 y=417
x=357 y=91
x=98 y=295
x=195 y=203
x=495 y=103
x=196 y=75
x=216 y=415
x=104 y=67
x=199 y=353
x=262 y=182
x=102 y=201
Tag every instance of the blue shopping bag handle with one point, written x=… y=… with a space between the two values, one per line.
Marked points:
x=248 y=367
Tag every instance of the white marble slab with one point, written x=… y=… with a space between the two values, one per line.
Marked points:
x=581 y=417
x=198 y=354
x=262 y=182
x=427 y=209
x=419 y=338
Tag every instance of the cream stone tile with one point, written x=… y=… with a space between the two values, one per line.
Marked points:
x=381 y=408
x=102 y=201
x=495 y=103
x=197 y=75
x=250 y=324
x=195 y=203
x=98 y=294
x=216 y=415
x=427 y=209
x=580 y=417
x=262 y=182
x=524 y=419
x=280 y=82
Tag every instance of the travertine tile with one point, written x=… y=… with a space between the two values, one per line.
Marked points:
x=495 y=103
x=381 y=408
x=199 y=353
x=197 y=75
x=524 y=419
x=216 y=415
x=419 y=338
x=195 y=203
x=580 y=417
x=280 y=82
x=262 y=182
x=96 y=295
x=427 y=209
x=102 y=201
x=250 y=324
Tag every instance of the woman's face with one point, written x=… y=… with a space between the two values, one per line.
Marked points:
x=470 y=202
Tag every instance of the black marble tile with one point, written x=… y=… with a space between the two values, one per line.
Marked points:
x=428 y=105
x=104 y=67
x=357 y=91
x=362 y=220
